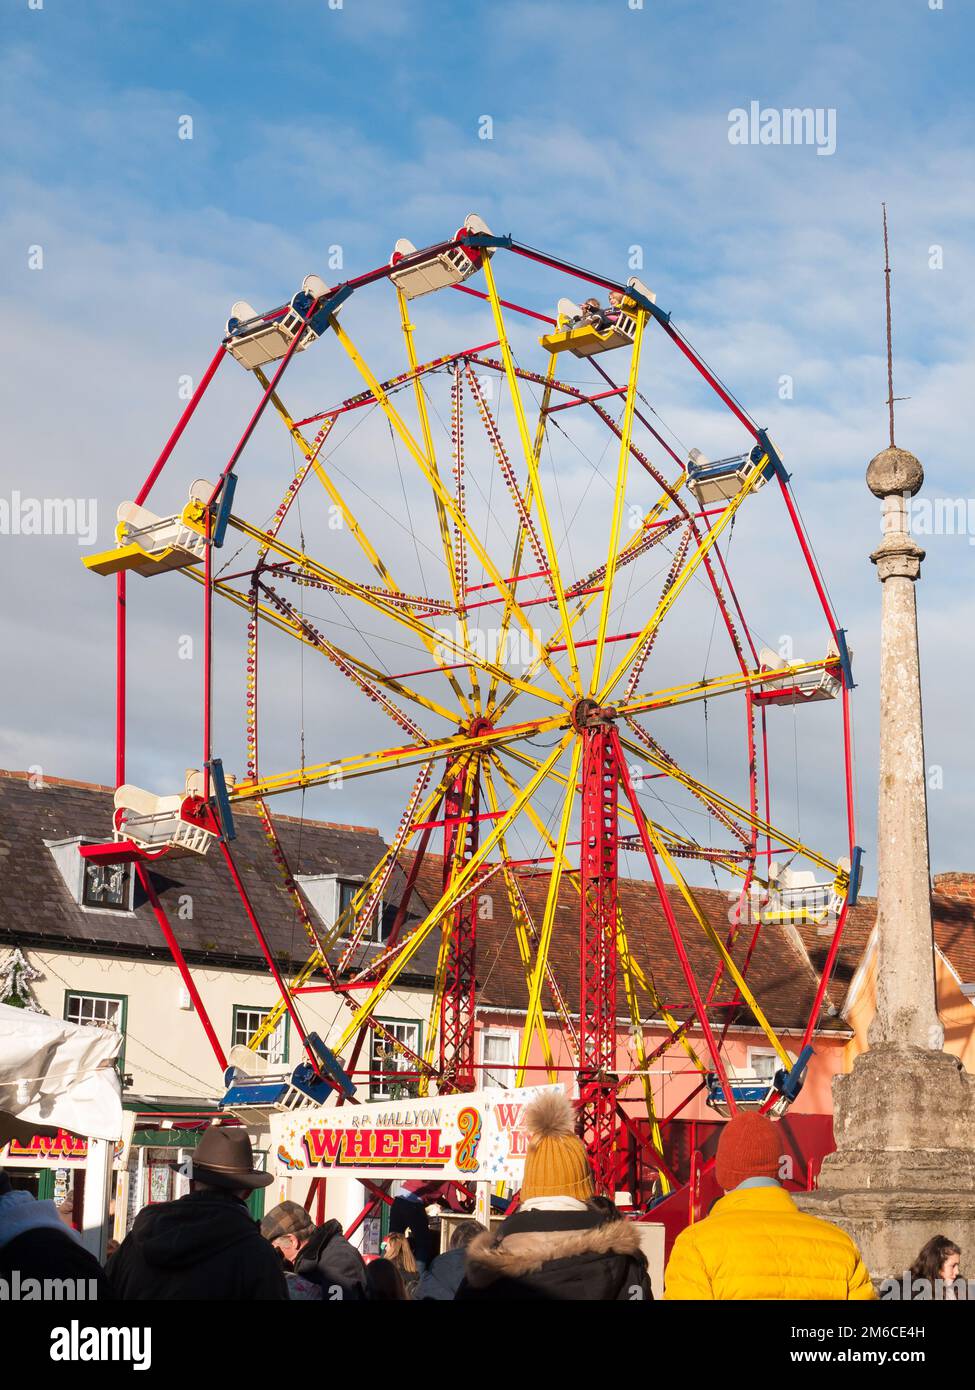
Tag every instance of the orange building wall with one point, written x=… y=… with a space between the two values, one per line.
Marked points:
x=956 y=1010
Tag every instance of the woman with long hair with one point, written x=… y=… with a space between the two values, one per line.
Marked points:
x=399 y=1253
x=934 y=1272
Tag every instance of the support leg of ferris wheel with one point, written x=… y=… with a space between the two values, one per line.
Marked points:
x=461 y=806
x=599 y=881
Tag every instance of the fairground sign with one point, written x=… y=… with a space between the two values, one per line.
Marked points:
x=477 y=1137
x=62 y=1150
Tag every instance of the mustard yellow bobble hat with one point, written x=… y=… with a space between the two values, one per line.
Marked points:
x=556 y=1164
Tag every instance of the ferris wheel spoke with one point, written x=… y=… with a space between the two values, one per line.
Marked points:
x=531 y=461
x=362 y=683
x=352 y=524
x=736 y=862
x=453 y=559
x=761 y=827
x=585 y=591
x=438 y=642
x=619 y=499
x=690 y=569
x=654 y=845
x=713 y=686
x=643 y=655
x=747 y=838
x=292 y=629
x=389 y=759
x=526 y=933
x=397 y=423
x=452 y=893
x=551 y=903
x=519 y=551
x=346 y=923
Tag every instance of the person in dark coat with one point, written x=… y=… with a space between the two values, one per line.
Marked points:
x=206 y=1245
x=36 y=1244
x=555 y=1246
x=446 y=1272
x=320 y=1254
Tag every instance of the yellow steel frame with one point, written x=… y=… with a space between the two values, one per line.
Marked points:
x=532 y=462
x=436 y=484
x=481 y=754
x=619 y=499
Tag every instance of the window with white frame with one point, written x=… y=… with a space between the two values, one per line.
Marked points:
x=386 y=1059
x=764 y=1064
x=99 y=1011
x=102 y=1010
x=497 y=1051
x=247 y=1021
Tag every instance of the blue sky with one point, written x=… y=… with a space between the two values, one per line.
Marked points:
x=315 y=127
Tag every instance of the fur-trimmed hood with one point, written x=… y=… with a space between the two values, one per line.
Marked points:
x=561 y=1255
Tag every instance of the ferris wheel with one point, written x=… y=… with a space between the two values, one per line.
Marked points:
x=520 y=588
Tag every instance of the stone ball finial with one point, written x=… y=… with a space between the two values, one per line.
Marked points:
x=893 y=471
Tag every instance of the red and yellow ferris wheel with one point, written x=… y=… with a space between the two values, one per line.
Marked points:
x=521 y=583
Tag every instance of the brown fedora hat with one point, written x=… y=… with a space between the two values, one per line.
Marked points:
x=224 y=1158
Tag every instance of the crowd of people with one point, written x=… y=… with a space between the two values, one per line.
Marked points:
x=560 y=1242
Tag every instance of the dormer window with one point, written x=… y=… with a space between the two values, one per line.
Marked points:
x=375 y=931
x=94 y=887
x=332 y=896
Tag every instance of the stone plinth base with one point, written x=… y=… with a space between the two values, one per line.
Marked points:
x=904 y=1166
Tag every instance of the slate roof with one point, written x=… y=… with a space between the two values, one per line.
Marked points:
x=37 y=907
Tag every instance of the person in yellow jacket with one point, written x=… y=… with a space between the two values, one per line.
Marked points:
x=756 y=1243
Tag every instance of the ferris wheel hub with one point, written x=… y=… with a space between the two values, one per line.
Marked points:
x=479 y=726
x=587 y=713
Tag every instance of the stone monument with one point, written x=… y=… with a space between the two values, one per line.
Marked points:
x=904 y=1117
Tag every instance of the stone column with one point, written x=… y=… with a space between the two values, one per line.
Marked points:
x=904 y=1117
x=906 y=1007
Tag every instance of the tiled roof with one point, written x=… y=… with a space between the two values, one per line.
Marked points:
x=953 y=903
x=780 y=974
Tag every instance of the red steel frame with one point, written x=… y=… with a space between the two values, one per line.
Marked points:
x=604 y=770
x=457 y=999
x=599 y=883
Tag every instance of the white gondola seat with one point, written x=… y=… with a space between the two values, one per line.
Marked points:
x=256 y=340
x=420 y=273
x=585 y=340
x=822 y=682
x=723 y=479
x=797 y=896
x=149 y=544
x=179 y=824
